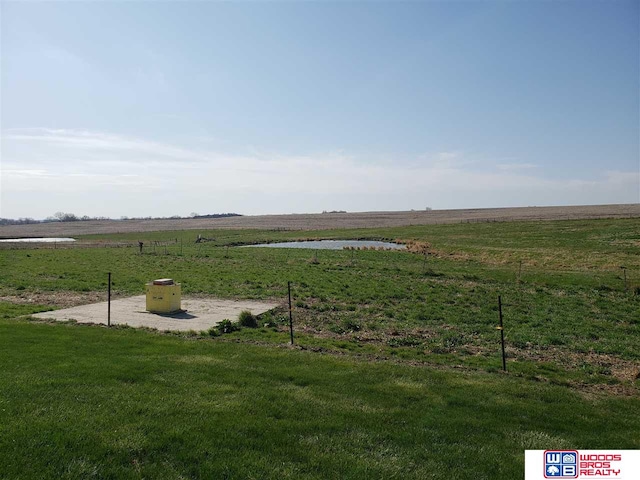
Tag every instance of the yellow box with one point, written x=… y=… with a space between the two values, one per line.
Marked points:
x=163 y=296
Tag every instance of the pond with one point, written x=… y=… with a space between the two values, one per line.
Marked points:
x=333 y=244
x=37 y=240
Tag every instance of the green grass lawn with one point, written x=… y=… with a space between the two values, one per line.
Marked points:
x=88 y=402
x=395 y=373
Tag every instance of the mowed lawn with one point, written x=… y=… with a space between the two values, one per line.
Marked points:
x=89 y=402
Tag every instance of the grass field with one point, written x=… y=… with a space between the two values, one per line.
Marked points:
x=395 y=372
x=87 y=402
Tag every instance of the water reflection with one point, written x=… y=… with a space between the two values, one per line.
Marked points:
x=37 y=240
x=333 y=244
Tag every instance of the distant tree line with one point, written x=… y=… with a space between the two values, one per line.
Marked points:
x=72 y=217
x=58 y=217
x=217 y=215
x=18 y=221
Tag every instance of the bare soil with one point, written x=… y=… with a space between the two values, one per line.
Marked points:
x=324 y=221
x=60 y=299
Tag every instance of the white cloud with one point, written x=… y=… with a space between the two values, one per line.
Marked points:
x=25 y=173
x=516 y=166
x=92 y=142
x=116 y=175
x=62 y=56
x=447 y=160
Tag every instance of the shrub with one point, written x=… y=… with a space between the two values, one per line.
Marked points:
x=269 y=321
x=247 y=319
x=227 y=326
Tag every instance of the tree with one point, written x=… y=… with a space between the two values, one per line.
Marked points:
x=65 y=217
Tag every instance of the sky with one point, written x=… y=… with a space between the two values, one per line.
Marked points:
x=138 y=109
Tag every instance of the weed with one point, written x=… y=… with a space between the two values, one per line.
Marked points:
x=227 y=326
x=351 y=326
x=247 y=319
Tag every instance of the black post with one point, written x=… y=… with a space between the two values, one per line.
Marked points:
x=290 y=314
x=109 y=302
x=501 y=328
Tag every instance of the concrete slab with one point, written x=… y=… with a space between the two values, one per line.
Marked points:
x=200 y=313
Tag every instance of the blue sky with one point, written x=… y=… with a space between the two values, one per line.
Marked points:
x=162 y=108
